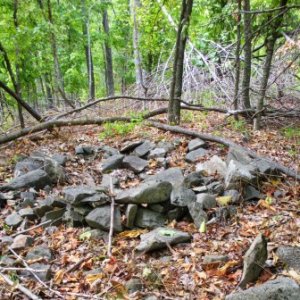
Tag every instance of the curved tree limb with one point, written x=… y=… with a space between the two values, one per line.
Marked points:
x=225 y=142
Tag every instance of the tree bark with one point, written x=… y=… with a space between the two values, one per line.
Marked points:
x=237 y=57
x=88 y=51
x=176 y=85
x=247 y=56
x=270 y=45
x=109 y=74
x=137 y=55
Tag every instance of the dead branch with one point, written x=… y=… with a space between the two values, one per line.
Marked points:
x=20 y=287
x=225 y=142
x=112 y=213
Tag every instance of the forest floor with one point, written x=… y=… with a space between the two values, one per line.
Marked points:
x=176 y=273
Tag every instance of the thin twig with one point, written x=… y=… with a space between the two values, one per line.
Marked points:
x=112 y=212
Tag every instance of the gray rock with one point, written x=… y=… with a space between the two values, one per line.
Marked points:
x=149 y=192
x=225 y=213
x=112 y=163
x=209 y=259
x=98 y=234
x=36 y=179
x=42 y=271
x=13 y=220
x=130 y=146
x=28 y=196
x=251 y=193
x=254 y=260
x=54 y=215
x=160 y=237
x=82 y=210
x=167 y=146
x=157 y=152
x=54 y=170
x=182 y=196
x=84 y=150
x=213 y=166
x=176 y=213
x=239 y=155
x=193 y=179
x=6 y=240
x=61 y=159
x=207 y=201
x=7 y=261
x=143 y=149
x=21 y=242
x=146 y=218
x=234 y=194
x=193 y=156
x=264 y=167
x=83 y=194
x=290 y=256
x=73 y=218
x=278 y=289
x=133 y=285
x=26 y=165
x=197 y=213
x=196 y=144
x=238 y=174
x=39 y=252
x=215 y=187
x=172 y=175
x=27 y=213
x=106 y=179
x=134 y=163
x=108 y=151
x=100 y=218
x=46 y=205
x=131 y=211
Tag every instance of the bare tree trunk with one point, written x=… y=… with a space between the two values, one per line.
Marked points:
x=176 y=85
x=88 y=51
x=248 y=56
x=137 y=55
x=109 y=74
x=237 y=57
x=270 y=45
x=18 y=79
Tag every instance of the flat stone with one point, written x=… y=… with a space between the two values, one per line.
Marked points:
x=107 y=178
x=149 y=192
x=160 y=237
x=83 y=194
x=28 y=196
x=61 y=159
x=234 y=194
x=196 y=144
x=290 y=256
x=281 y=288
x=193 y=179
x=7 y=261
x=182 y=196
x=215 y=187
x=73 y=218
x=146 y=218
x=27 y=165
x=210 y=259
x=130 y=146
x=36 y=179
x=176 y=213
x=264 y=167
x=207 y=201
x=238 y=174
x=21 y=242
x=225 y=213
x=143 y=149
x=254 y=260
x=100 y=218
x=27 y=213
x=197 y=213
x=39 y=252
x=54 y=215
x=157 y=152
x=237 y=154
x=214 y=166
x=46 y=205
x=251 y=193
x=134 y=163
x=131 y=211
x=42 y=271
x=172 y=175
x=167 y=146
x=84 y=150
x=108 y=151
x=13 y=220
x=193 y=156
x=112 y=163
x=133 y=285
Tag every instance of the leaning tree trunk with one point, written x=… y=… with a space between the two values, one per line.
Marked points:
x=247 y=56
x=237 y=57
x=88 y=51
x=109 y=74
x=270 y=45
x=176 y=85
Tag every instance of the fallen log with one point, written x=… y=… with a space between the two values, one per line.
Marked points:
x=215 y=139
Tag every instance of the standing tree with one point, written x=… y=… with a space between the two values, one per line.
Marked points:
x=176 y=85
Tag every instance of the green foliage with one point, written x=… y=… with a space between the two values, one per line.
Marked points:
x=238 y=125
x=291 y=132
